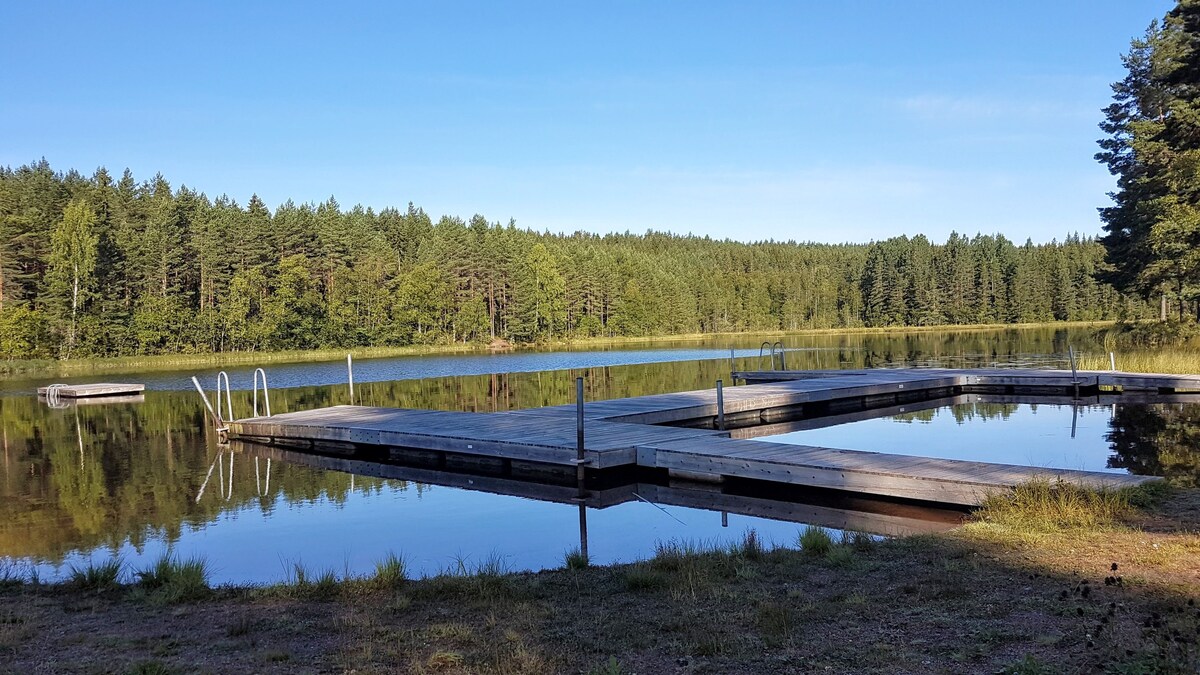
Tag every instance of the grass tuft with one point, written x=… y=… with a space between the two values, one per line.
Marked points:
x=170 y=580
x=391 y=572
x=98 y=577
x=642 y=577
x=858 y=540
x=749 y=548
x=815 y=540
x=576 y=559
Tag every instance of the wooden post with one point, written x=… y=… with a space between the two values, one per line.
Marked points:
x=732 y=366
x=579 y=473
x=1112 y=361
x=350 y=376
x=721 y=405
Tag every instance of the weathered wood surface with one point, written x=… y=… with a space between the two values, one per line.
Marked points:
x=628 y=431
x=505 y=435
x=906 y=476
x=98 y=389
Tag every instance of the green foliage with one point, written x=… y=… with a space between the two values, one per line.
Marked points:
x=1170 y=333
x=92 y=267
x=97 y=577
x=170 y=580
x=391 y=571
x=1152 y=147
x=815 y=540
x=23 y=333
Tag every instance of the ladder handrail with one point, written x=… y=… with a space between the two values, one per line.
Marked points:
x=216 y=415
x=52 y=398
x=767 y=344
x=782 y=363
x=266 y=394
x=224 y=377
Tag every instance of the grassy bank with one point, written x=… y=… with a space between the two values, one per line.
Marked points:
x=1041 y=582
x=131 y=364
x=1164 y=360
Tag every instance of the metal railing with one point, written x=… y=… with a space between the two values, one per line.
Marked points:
x=266 y=394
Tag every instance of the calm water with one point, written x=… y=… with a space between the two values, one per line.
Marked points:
x=1083 y=437
x=92 y=481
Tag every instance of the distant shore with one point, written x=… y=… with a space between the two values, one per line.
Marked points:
x=22 y=369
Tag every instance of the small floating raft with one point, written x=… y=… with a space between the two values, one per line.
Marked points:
x=90 y=390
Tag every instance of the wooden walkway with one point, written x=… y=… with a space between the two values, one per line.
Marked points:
x=674 y=432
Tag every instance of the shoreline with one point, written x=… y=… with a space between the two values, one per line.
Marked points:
x=1017 y=589
x=24 y=369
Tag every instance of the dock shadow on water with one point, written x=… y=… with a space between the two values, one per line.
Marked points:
x=134 y=480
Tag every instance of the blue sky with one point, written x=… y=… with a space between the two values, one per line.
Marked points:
x=819 y=121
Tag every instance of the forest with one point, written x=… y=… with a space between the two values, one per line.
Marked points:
x=94 y=266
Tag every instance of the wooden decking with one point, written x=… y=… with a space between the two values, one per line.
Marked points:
x=674 y=432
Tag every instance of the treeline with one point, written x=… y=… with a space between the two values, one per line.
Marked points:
x=97 y=266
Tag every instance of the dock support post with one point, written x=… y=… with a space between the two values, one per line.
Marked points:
x=1112 y=362
x=732 y=366
x=579 y=473
x=350 y=376
x=720 y=405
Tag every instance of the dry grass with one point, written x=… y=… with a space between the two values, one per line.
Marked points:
x=1169 y=361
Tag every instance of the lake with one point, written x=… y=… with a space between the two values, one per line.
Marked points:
x=88 y=482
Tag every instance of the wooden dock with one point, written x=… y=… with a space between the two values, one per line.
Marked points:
x=91 y=390
x=675 y=433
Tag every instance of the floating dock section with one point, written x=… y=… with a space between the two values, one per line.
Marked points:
x=90 y=390
x=677 y=434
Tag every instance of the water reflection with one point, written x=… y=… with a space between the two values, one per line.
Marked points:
x=132 y=478
x=1143 y=435
x=958 y=348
